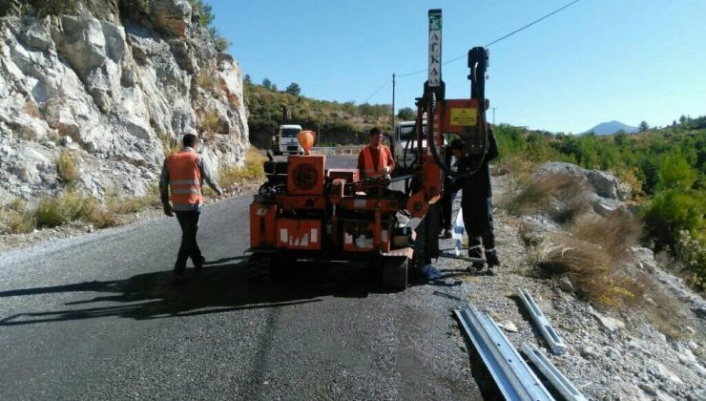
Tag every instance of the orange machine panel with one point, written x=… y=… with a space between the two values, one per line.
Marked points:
x=305 y=175
x=299 y=234
x=359 y=236
x=262 y=225
x=348 y=174
x=308 y=202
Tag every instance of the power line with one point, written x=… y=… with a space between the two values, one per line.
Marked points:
x=378 y=90
x=532 y=23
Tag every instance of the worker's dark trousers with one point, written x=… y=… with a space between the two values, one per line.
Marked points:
x=189 y=222
x=478 y=221
x=447 y=206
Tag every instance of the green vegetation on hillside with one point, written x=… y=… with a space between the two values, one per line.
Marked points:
x=666 y=168
x=335 y=123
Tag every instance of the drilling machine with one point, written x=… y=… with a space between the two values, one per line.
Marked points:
x=310 y=213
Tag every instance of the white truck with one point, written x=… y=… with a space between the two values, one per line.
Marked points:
x=405 y=143
x=285 y=141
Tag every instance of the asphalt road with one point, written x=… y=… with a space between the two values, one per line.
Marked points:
x=98 y=318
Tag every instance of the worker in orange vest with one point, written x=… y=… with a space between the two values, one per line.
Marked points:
x=183 y=175
x=375 y=160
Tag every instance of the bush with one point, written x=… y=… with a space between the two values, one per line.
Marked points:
x=16 y=219
x=132 y=204
x=563 y=197
x=67 y=168
x=169 y=143
x=595 y=274
x=65 y=207
x=253 y=170
x=209 y=125
x=692 y=253
x=670 y=211
x=102 y=218
x=53 y=7
x=625 y=231
x=208 y=80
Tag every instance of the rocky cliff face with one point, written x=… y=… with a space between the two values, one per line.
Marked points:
x=113 y=91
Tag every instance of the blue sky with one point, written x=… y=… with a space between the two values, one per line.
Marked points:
x=595 y=61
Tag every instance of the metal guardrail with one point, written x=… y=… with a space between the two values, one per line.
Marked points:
x=337 y=150
x=514 y=378
x=555 y=344
x=561 y=383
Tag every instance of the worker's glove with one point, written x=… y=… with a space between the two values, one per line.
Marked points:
x=386 y=172
x=168 y=210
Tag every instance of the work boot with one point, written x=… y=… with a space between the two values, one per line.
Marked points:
x=492 y=259
x=491 y=271
x=198 y=267
x=446 y=234
x=178 y=276
x=475 y=266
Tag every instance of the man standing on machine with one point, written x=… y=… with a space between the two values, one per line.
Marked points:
x=375 y=160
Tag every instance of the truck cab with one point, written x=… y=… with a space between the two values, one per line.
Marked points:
x=285 y=140
x=404 y=143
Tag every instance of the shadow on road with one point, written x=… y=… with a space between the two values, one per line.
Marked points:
x=222 y=287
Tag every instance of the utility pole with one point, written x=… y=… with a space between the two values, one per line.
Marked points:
x=392 y=122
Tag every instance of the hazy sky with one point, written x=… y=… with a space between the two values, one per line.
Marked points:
x=595 y=61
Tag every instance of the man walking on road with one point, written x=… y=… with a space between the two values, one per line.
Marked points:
x=183 y=174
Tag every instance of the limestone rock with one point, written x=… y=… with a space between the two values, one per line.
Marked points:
x=110 y=92
x=171 y=16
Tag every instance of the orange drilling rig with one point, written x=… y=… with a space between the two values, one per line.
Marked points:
x=305 y=211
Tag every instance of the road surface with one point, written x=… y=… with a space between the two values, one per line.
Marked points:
x=98 y=318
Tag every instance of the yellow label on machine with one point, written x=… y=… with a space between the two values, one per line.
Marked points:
x=464 y=116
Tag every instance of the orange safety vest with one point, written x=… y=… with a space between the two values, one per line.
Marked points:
x=369 y=169
x=184 y=179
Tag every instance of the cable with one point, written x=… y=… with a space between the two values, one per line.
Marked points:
x=497 y=40
x=378 y=90
x=532 y=23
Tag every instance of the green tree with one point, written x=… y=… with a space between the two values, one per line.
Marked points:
x=643 y=126
x=293 y=89
x=204 y=12
x=406 y=114
x=675 y=172
x=621 y=138
x=267 y=83
x=247 y=80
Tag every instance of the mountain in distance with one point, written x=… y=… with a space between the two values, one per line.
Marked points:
x=612 y=127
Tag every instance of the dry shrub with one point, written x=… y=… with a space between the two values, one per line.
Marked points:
x=103 y=218
x=595 y=274
x=615 y=233
x=630 y=182
x=67 y=167
x=253 y=170
x=209 y=124
x=209 y=81
x=65 y=207
x=661 y=308
x=121 y=204
x=691 y=252
x=16 y=218
x=561 y=196
x=517 y=165
x=169 y=143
